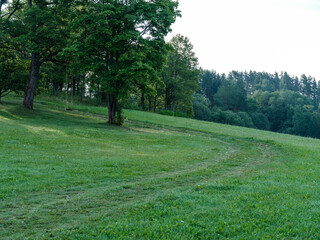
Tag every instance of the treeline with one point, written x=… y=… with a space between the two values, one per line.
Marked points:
x=276 y=102
x=113 y=52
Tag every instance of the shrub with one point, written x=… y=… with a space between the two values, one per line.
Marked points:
x=217 y=115
x=246 y=119
x=227 y=117
x=180 y=114
x=233 y=118
x=260 y=121
x=171 y=113
x=201 y=111
x=166 y=112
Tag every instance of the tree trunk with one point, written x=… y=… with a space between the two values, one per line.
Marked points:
x=32 y=81
x=173 y=99
x=168 y=102
x=78 y=85
x=99 y=95
x=0 y=94
x=142 y=101
x=55 y=89
x=73 y=86
x=112 y=105
x=83 y=87
x=155 y=103
x=150 y=104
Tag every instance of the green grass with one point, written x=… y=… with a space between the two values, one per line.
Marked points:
x=70 y=175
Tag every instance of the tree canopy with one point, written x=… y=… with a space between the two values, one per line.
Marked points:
x=276 y=102
x=114 y=52
x=118 y=44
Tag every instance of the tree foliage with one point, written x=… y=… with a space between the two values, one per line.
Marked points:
x=180 y=75
x=209 y=84
x=121 y=44
x=35 y=29
x=114 y=51
x=13 y=72
x=276 y=102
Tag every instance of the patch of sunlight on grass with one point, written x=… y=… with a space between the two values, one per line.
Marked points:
x=42 y=130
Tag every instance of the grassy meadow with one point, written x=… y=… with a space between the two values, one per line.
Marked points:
x=70 y=175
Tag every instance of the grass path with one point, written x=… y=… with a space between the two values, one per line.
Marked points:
x=69 y=175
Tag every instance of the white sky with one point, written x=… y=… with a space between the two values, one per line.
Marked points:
x=260 y=35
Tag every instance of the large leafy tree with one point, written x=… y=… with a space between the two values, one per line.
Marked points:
x=35 y=28
x=123 y=41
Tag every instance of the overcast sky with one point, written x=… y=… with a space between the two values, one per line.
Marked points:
x=260 y=35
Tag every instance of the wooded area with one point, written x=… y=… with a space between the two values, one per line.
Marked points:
x=114 y=45
x=113 y=53
x=276 y=102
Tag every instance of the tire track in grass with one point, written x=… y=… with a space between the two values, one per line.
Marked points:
x=96 y=202
x=64 y=209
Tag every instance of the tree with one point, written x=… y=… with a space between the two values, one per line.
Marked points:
x=13 y=68
x=13 y=71
x=231 y=96
x=260 y=121
x=287 y=82
x=201 y=107
x=209 y=84
x=37 y=30
x=180 y=75
x=124 y=40
x=305 y=122
x=314 y=93
x=306 y=85
x=279 y=107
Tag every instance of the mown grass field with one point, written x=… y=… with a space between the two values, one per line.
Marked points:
x=69 y=175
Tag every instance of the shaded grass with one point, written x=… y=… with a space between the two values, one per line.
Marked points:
x=69 y=175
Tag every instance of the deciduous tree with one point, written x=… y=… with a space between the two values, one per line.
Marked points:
x=180 y=75
x=124 y=40
x=37 y=30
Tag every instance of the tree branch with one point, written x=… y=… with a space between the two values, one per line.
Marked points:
x=15 y=49
x=50 y=58
x=15 y=9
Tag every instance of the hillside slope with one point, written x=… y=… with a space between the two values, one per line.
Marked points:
x=69 y=175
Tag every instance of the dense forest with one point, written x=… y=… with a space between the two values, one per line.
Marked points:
x=114 y=53
x=276 y=102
